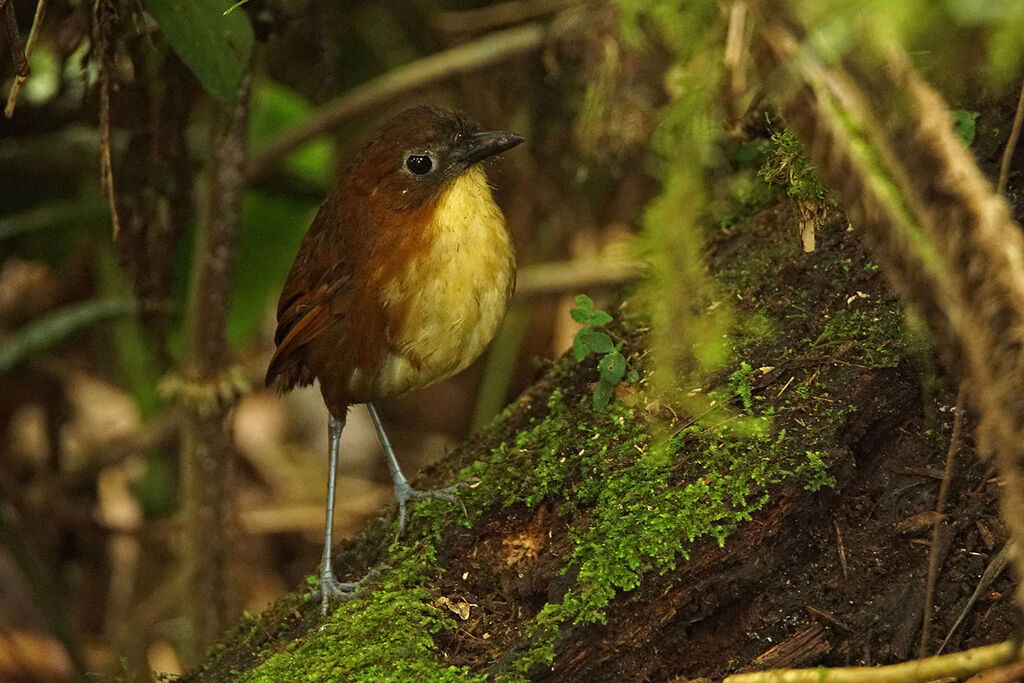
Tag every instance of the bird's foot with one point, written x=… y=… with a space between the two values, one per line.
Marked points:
x=405 y=494
x=341 y=591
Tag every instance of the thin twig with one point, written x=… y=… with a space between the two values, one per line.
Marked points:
x=497 y=15
x=479 y=54
x=574 y=276
x=992 y=571
x=1011 y=673
x=30 y=44
x=206 y=393
x=842 y=552
x=10 y=22
x=1011 y=144
x=958 y=664
x=100 y=16
x=940 y=505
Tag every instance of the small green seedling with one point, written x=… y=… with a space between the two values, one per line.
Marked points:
x=965 y=125
x=612 y=365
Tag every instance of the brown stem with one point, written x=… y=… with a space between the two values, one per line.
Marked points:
x=30 y=44
x=206 y=439
x=102 y=17
x=940 y=524
x=1011 y=144
x=17 y=48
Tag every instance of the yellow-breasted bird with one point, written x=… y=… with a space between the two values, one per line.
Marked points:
x=401 y=281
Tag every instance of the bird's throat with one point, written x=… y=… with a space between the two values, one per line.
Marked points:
x=451 y=299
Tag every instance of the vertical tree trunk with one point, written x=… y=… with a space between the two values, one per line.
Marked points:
x=206 y=438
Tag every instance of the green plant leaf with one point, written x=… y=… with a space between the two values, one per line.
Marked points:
x=216 y=47
x=964 y=124
x=579 y=348
x=584 y=312
x=584 y=308
x=55 y=327
x=602 y=394
x=612 y=367
x=276 y=108
x=260 y=270
x=598 y=342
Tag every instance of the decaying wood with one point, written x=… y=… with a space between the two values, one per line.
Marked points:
x=883 y=141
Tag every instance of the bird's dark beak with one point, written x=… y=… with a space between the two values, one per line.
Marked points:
x=479 y=146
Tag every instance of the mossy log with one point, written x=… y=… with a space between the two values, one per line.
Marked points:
x=789 y=525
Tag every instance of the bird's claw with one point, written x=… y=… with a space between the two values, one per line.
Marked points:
x=405 y=494
x=342 y=591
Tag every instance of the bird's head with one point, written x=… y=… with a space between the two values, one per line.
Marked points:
x=418 y=153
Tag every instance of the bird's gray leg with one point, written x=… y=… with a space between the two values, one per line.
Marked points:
x=330 y=587
x=404 y=492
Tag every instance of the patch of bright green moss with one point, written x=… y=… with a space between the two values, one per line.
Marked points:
x=386 y=636
x=872 y=335
x=786 y=165
x=644 y=507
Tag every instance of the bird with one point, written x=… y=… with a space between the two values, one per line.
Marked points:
x=401 y=281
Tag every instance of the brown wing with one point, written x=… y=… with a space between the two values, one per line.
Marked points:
x=314 y=299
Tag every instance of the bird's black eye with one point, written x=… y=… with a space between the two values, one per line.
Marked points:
x=419 y=164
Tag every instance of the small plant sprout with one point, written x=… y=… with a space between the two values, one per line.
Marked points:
x=589 y=339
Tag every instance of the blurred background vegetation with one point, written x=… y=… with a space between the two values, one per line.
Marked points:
x=95 y=329
x=127 y=113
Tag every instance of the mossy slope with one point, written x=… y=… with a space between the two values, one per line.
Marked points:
x=576 y=506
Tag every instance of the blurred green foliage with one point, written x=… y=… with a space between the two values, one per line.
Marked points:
x=214 y=45
x=273 y=223
x=786 y=165
x=965 y=124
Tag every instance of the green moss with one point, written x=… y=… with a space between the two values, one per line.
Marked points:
x=873 y=335
x=636 y=502
x=635 y=499
x=746 y=194
x=386 y=636
x=739 y=384
x=786 y=165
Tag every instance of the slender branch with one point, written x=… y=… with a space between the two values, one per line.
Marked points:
x=940 y=505
x=565 y=276
x=479 y=54
x=1011 y=144
x=992 y=571
x=10 y=25
x=101 y=16
x=30 y=45
x=497 y=15
x=205 y=390
x=958 y=665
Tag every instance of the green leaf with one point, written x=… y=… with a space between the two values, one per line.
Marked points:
x=584 y=308
x=584 y=312
x=602 y=394
x=235 y=6
x=275 y=108
x=261 y=269
x=598 y=342
x=216 y=47
x=579 y=348
x=612 y=367
x=48 y=331
x=964 y=125
x=633 y=377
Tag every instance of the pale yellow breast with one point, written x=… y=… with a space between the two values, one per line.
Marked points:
x=456 y=294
